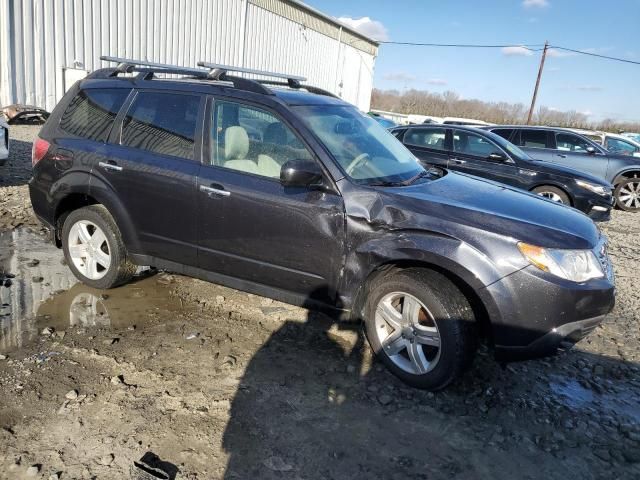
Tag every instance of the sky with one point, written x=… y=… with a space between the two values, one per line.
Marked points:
x=600 y=88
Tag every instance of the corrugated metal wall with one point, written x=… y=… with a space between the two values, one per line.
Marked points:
x=40 y=38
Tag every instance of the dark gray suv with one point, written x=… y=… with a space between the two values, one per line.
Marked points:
x=563 y=146
x=293 y=194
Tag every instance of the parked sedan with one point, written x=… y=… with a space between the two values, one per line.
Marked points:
x=4 y=142
x=487 y=155
x=565 y=147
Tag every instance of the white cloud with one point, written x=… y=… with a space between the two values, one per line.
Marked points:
x=587 y=113
x=366 y=26
x=535 y=3
x=437 y=82
x=517 y=52
x=399 y=77
x=552 y=52
x=589 y=88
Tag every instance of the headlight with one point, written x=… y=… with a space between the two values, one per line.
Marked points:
x=574 y=265
x=592 y=187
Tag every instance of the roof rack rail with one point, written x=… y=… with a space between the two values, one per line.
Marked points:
x=147 y=70
x=218 y=69
x=308 y=88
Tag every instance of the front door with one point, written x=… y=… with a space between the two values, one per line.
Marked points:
x=252 y=227
x=471 y=154
x=152 y=163
x=571 y=151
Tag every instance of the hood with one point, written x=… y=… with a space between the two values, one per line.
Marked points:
x=560 y=170
x=458 y=202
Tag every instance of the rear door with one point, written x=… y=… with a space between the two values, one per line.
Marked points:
x=153 y=160
x=571 y=151
x=429 y=145
x=471 y=154
x=253 y=228
x=538 y=143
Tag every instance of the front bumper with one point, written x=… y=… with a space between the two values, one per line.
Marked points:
x=535 y=312
x=597 y=207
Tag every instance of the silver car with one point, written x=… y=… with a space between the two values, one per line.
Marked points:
x=4 y=142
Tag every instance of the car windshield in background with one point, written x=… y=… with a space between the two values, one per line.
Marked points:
x=367 y=152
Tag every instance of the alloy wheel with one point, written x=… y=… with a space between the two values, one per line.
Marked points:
x=551 y=196
x=408 y=333
x=89 y=249
x=629 y=194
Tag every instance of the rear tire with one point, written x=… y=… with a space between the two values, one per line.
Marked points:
x=552 y=193
x=94 y=249
x=627 y=195
x=430 y=347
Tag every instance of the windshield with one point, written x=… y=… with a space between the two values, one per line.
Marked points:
x=367 y=152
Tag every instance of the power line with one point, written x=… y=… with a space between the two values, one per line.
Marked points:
x=529 y=47
x=591 y=54
x=464 y=45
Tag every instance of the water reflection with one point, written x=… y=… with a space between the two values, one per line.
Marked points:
x=45 y=293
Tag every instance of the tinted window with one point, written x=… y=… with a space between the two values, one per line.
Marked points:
x=162 y=123
x=252 y=140
x=571 y=143
x=616 y=145
x=533 y=138
x=472 y=144
x=91 y=113
x=426 y=137
x=505 y=133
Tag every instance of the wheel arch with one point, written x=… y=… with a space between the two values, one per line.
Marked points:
x=465 y=281
x=557 y=185
x=632 y=172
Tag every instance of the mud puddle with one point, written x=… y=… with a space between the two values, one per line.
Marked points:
x=618 y=400
x=40 y=291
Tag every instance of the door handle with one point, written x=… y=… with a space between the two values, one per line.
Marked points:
x=215 y=191
x=110 y=166
x=562 y=155
x=459 y=161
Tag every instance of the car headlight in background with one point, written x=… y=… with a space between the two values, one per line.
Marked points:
x=574 y=265
x=592 y=187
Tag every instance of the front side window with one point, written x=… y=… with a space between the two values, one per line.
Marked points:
x=472 y=144
x=533 y=138
x=616 y=145
x=571 y=143
x=426 y=137
x=92 y=112
x=366 y=152
x=252 y=140
x=163 y=123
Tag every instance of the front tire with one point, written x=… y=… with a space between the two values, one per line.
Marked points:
x=627 y=194
x=94 y=249
x=421 y=327
x=552 y=193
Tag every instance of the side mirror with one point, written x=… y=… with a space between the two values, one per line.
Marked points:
x=591 y=150
x=300 y=173
x=497 y=157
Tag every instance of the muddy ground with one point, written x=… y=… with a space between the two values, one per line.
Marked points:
x=221 y=384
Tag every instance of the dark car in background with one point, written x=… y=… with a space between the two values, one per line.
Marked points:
x=294 y=194
x=565 y=147
x=4 y=142
x=484 y=154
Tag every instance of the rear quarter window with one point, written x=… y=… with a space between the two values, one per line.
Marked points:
x=91 y=113
x=163 y=123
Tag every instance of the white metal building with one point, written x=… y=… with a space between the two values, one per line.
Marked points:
x=46 y=45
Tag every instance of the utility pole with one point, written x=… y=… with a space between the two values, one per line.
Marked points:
x=535 y=91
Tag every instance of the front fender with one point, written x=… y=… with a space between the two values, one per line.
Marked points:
x=421 y=248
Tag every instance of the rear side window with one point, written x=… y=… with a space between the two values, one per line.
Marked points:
x=426 y=137
x=163 y=123
x=92 y=112
x=505 y=133
x=533 y=138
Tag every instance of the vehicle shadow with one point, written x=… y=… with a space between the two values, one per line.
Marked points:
x=17 y=169
x=314 y=404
